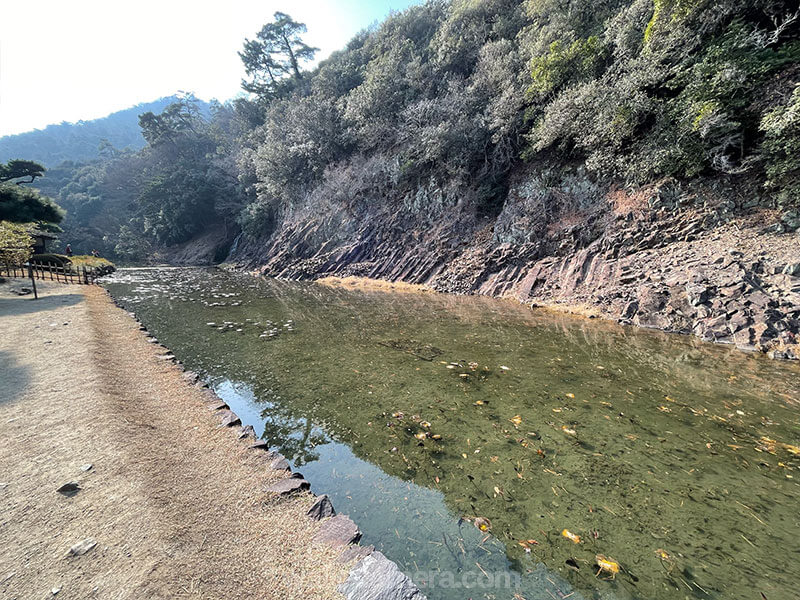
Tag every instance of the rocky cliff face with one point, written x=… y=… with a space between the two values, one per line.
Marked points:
x=709 y=261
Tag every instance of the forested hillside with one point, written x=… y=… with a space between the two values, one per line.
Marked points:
x=81 y=141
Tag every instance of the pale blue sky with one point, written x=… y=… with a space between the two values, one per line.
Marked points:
x=82 y=59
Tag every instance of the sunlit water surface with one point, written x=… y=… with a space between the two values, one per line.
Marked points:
x=418 y=413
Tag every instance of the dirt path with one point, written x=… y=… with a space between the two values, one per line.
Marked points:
x=175 y=504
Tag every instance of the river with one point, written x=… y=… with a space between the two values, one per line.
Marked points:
x=423 y=415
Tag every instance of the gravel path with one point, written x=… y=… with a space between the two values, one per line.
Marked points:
x=175 y=504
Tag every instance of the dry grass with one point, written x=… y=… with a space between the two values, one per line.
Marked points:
x=364 y=283
x=634 y=201
x=175 y=503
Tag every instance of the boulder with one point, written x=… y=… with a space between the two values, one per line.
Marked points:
x=378 y=578
x=228 y=418
x=338 y=531
x=279 y=463
x=355 y=553
x=321 y=509
x=247 y=431
x=290 y=485
x=260 y=445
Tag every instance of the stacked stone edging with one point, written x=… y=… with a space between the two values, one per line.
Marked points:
x=372 y=576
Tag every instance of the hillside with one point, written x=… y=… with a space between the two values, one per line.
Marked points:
x=80 y=142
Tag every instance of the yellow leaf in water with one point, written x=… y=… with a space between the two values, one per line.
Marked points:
x=498 y=491
x=436 y=436
x=424 y=424
x=516 y=420
x=607 y=565
x=792 y=449
x=570 y=395
x=463 y=455
x=575 y=538
x=421 y=435
x=568 y=431
x=479 y=403
x=664 y=409
x=483 y=523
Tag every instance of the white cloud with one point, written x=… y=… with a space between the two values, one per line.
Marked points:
x=82 y=59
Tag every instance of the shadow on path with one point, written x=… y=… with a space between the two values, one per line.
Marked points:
x=26 y=304
x=14 y=378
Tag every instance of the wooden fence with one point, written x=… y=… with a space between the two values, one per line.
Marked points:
x=52 y=272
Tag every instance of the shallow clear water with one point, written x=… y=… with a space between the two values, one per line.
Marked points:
x=418 y=413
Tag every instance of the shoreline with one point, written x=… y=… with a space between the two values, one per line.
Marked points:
x=576 y=310
x=180 y=499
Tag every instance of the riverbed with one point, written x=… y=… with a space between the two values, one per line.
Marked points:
x=483 y=445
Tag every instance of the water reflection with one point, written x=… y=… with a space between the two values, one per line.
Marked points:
x=675 y=459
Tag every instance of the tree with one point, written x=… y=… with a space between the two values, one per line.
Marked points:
x=15 y=242
x=24 y=205
x=19 y=169
x=275 y=56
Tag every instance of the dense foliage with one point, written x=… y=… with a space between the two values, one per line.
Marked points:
x=436 y=108
x=16 y=243
x=126 y=204
x=20 y=204
x=455 y=92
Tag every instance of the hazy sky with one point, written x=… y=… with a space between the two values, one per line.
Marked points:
x=66 y=60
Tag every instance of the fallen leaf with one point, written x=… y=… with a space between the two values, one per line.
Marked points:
x=573 y=537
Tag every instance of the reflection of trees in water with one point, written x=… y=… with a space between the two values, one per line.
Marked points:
x=295 y=435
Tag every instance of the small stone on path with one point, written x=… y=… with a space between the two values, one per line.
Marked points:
x=70 y=488
x=82 y=547
x=87 y=467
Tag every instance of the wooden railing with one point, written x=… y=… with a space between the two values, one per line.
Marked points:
x=52 y=272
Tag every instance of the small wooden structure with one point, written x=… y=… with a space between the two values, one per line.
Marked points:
x=40 y=239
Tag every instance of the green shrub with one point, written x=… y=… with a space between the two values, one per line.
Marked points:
x=781 y=148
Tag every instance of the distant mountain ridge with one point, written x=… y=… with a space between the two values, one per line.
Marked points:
x=80 y=141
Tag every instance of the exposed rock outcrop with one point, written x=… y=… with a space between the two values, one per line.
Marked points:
x=699 y=263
